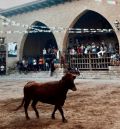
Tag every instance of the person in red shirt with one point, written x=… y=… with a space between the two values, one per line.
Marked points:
x=41 y=63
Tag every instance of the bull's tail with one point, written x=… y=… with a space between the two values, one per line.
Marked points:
x=20 y=105
x=28 y=84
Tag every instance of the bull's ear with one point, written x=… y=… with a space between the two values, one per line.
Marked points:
x=63 y=78
x=74 y=77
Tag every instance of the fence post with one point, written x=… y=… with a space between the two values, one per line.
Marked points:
x=90 y=65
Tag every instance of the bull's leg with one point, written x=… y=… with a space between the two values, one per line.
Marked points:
x=26 y=104
x=62 y=114
x=34 y=107
x=53 y=113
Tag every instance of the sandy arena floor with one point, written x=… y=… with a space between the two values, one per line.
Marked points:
x=95 y=105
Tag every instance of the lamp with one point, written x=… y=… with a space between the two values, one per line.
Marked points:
x=117 y=25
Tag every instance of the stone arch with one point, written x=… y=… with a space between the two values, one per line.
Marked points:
x=33 y=43
x=79 y=17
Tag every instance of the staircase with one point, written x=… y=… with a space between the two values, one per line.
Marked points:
x=112 y=73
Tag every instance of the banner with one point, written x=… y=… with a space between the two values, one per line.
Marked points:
x=12 y=49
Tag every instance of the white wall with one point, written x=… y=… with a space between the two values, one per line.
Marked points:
x=61 y=16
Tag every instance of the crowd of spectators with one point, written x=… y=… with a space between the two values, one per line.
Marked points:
x=100 y=49
x=97 y=52
x=45 y=62
x=50 y=58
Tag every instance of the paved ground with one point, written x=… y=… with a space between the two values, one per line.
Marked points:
x=12 y=85
x=95 y=105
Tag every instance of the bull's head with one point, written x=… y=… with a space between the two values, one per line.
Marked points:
x=69 y=78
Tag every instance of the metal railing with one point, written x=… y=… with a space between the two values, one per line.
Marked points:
x=88 y=61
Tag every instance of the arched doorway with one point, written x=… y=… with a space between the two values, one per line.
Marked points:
x=91 y=28
x=40 y=38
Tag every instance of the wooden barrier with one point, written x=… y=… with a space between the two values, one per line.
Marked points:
x=88 y=61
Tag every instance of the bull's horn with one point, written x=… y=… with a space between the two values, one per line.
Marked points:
x=75 y=74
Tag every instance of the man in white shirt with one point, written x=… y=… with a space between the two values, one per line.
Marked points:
x=44 y=52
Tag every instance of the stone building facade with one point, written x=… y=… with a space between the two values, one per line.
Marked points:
x=63 y=15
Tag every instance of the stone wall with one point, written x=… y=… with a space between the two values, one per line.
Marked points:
x=63 y=15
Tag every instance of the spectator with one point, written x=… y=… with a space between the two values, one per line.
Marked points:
x=2 y=69
x=72 y=51
x=82 y=48
x=87 y=49
x=24 y=65
x=79 y=50
x=93 y=48
x=110 y=49
x=62 y=61
x=41 y=63
x=52 y=67
x=46 y=66
x=34 y=64
x=115 y=59
x=19 y=65
x=102 y=51
x=44 y=52
x=97 y=48
x=30 y=63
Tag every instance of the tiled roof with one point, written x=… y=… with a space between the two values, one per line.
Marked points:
x=39 y=4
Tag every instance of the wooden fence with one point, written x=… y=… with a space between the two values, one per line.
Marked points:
x=88 y=61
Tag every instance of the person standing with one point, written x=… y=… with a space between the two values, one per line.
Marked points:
x=2 y=69
x=34 y=64
x=52 y=67
x=41 y=63
x=44 y=52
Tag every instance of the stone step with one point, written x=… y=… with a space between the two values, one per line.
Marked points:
x=59 y=73
x=100 y=74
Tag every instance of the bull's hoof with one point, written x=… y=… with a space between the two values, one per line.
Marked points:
x=65 y=121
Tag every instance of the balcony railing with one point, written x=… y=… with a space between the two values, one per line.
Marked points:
x=88 y=62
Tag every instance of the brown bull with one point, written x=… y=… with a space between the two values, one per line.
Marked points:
x=50 y=92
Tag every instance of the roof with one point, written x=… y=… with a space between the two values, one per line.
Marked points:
x=29 y=7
